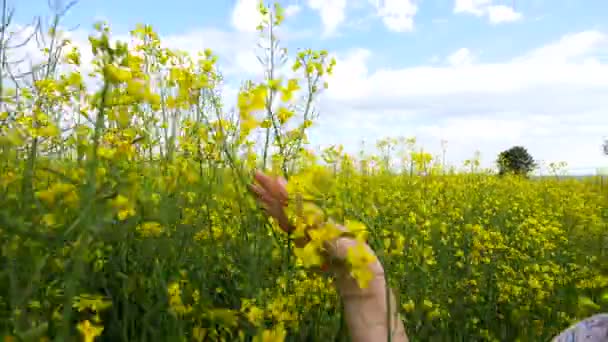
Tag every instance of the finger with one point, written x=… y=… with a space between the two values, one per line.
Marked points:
x=257 y=190
x=265 y=207
x=282 y=182
x=275 y=187
x=261 y=194
x=263 y=203
x=263 y=179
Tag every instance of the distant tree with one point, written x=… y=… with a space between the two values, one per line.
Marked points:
x=515 y=160
x=605 y=146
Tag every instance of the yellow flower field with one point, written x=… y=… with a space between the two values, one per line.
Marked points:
x=125 y=213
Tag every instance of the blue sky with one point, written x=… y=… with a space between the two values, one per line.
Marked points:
x=482 y=74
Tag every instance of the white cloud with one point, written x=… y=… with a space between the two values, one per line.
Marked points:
x=460 y=57
x=397 y=15
x=245 y=15
x=519 y=74
x=496 y=14
x=29 y=47
x=292 y=10
x=29 y=51
x=571 y=47
x=332 y=12
x=350 y=75
x=475 y=7
x=551 y=99
x=502 y=14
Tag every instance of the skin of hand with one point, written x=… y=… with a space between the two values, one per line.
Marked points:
x=272 y=195
x=364 y=309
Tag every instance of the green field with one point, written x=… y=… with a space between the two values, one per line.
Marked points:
x=125 y=215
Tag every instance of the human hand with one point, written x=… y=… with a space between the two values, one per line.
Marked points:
x=272 y=195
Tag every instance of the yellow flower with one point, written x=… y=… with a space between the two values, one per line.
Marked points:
x=123 y=206
x=125 y=213
x=360 y=260
x=284 y=115
x=313 y=215
x=287 y=92
x=409 y=306
x=48 y=131
x=357 y=228
x=199 y=333
x=176 y=305
x=255 y=315
x=89 y=331
x=252 y=100
x=150 y=229
x=117 y=74
x=248 y=123
x=49 y=220
x=120 y=201
x=46 y=196
x=309 y=255
x=277 y=334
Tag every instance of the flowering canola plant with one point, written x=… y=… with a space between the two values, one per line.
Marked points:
x=124 y=214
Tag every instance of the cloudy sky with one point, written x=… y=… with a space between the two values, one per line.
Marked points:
x=482 y=74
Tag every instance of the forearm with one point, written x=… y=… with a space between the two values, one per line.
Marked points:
x=365 y=309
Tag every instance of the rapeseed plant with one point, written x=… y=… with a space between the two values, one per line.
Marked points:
x=131 y=222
